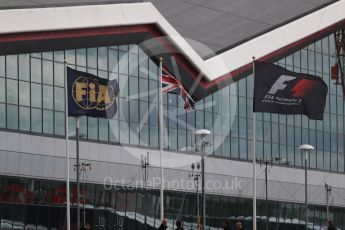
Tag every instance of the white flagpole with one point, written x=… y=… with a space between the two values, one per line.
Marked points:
x=68 y=213
x=161 y=139
x=254 y=159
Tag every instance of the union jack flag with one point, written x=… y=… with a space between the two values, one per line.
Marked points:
x=171 y=85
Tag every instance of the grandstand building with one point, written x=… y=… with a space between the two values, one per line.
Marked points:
x=208 y=46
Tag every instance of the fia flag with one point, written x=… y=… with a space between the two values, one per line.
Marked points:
x=90 y=95
x=278 y=90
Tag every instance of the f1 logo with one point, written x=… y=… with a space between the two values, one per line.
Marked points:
x=280 y=84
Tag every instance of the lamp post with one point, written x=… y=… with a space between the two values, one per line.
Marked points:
x=196 y=176
x=270 y=162
x=328 y=189
x=145 y=164
x=306 y=149
x=203 y=133
x=83 y=168
x=77 y=168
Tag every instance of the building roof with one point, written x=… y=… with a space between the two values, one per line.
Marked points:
x=218 y=24
x=211 y=41
x=222 y=24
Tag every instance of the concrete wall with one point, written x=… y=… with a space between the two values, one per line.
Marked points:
x=45 y=157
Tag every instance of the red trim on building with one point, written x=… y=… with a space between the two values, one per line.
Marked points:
x=60 y=34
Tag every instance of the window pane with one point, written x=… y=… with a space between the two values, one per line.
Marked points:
x=134 y=133
x=143 y=64
x=47 y=72
x=123 y=62
x=341 y=162
x=36 y=120
x=35 y=70
x=123 y=84
x=327 y=161
x=2 y=115
x=24 y=93
x=59 y=74
x=47 y=55
x=154 y=142
x=12 y=66
x=334 y=162
x=144 y=88
x=153 y=70
x=103 y=129
x=83 y=126
x=319 y=160
x=92 y=58
x=59 y=56
x=81 y=57
x=133 y=87
x=124 y=130
x=92 y=132
x=123 y=48
x=24 y=67
x=182 y=139
x=12 y=91
x=134 y=107
x=226 y=147
x=70 y=56
x=48 y=121
x=103 y=58
x=152 y=114
x=153 y=91
x=172 y=139
x=2 y=66
x=113 y=61
x=12 y=116
x=47 y=97
x=2 y=89
x=243 y=149
x=24 y=118
x=234 y=148
x=114 y=131
x=36 y=95
x=60 y=123
x=144 y=135
x=59 y=98
x=133 y=64
x=123 y=109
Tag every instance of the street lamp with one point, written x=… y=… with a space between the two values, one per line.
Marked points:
x=270 y=162
x=77 y=166
x=328 y=189
x=145 y=164
x=203 y=133
x=306 y=149
x=83 y=168
x=196 y=176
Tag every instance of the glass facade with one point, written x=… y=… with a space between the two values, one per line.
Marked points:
x=34 y=203
x=32 y=100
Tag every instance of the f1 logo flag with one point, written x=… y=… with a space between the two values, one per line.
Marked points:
x=278 y=90
x=90 y=95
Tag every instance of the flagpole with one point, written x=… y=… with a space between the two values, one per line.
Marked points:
x=254 y=159
x=68 y=213
x=161 y=145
